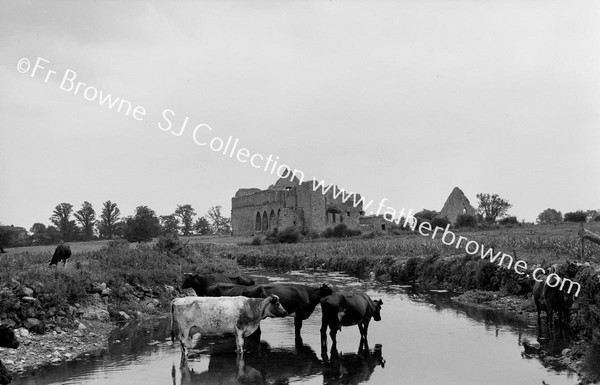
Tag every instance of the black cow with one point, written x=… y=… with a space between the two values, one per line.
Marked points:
x=200 y=282
x=347 y=310
x=7 y=340
x=233 y=290
x=61 y=253
x=298 y=300
x=550 y=299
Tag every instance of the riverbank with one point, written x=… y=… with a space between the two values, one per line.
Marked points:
x=121 y=282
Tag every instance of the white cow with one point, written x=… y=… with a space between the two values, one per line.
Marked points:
x=214 y=316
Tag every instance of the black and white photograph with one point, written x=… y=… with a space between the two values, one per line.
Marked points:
x=310 y=192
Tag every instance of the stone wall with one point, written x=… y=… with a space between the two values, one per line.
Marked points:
x=288 y=203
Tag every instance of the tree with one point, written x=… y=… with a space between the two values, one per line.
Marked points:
x=492 y=207
x=186 y=213
x=61 y=218
x=170 y=224
x=108 y=223
x=549 y=216
x=142 y=226
x=466 y=220
x=12 y=236
x=202 y=226
x=86 y=217
x=576 y=216
x=40 y=235
x=218 y=223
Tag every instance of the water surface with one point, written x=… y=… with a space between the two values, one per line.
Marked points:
x=426 y=339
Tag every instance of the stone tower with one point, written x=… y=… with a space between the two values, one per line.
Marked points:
x=456 y=204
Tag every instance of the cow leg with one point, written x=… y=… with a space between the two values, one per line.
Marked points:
x=239 y=340
x=298 y=327
x=65 y=263
x=324 y=333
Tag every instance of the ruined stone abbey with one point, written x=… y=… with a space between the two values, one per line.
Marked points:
x=290 y=203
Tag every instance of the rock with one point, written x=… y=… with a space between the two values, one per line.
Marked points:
x=33 y=324
x=97 y=287
x=105 y=292
x=23 y=332
x=56 y=360
x=26 y=292
x=531 y=346
x=124 y=316
x=27 y=299
x=565 y=352
x=81 y=326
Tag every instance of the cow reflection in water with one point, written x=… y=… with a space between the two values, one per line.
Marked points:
x=351 y=368
x=267 y=365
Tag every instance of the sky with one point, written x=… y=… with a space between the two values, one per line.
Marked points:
x=402 y=100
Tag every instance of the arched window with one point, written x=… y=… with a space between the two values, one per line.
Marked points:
x=272 y=219
x=278 y=217
x=265 y=222
x=257 y=225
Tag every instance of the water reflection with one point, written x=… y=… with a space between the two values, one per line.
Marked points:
x=267 y=365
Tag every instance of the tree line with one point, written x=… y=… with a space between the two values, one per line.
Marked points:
x=68 y=225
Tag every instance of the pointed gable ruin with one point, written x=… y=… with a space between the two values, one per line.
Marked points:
x=456 y=204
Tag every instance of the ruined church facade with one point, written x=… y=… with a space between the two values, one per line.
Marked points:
x=289 y=203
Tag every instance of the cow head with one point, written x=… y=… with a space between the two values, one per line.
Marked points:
x=377 y=311
x=325 y=290
x=8 y=338
x=272 y=307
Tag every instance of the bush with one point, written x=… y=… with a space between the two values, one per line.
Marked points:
x=170 y=245
x=340 y=231
x=576 y=216
x=597 y=219
x=440 y=222
x=509 y=221
x=287 y=235
x=256 y=241
x=466 y=220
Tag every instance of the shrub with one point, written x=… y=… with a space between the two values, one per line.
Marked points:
x=509 y=221
x=466 y=220
x=597 y=219
x=340 y=231
x=170 y=245
x=287 y=235
x=440 y=222
x=549 y=216
x=576 y=216
x=256 y=241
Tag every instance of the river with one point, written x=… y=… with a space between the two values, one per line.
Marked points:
x=424 y=338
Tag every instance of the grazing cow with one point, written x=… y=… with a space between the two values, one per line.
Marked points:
x=61 y=253
x=347 y=310
x=200 y=282
x=298 y=300
x=224 y=315
x=7 y=340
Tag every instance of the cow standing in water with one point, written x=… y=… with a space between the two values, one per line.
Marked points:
x=210 y=316
x=347 y=310
x=61 y=253
x=200 y=282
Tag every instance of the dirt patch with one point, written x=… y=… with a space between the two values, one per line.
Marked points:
x=55 y=347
